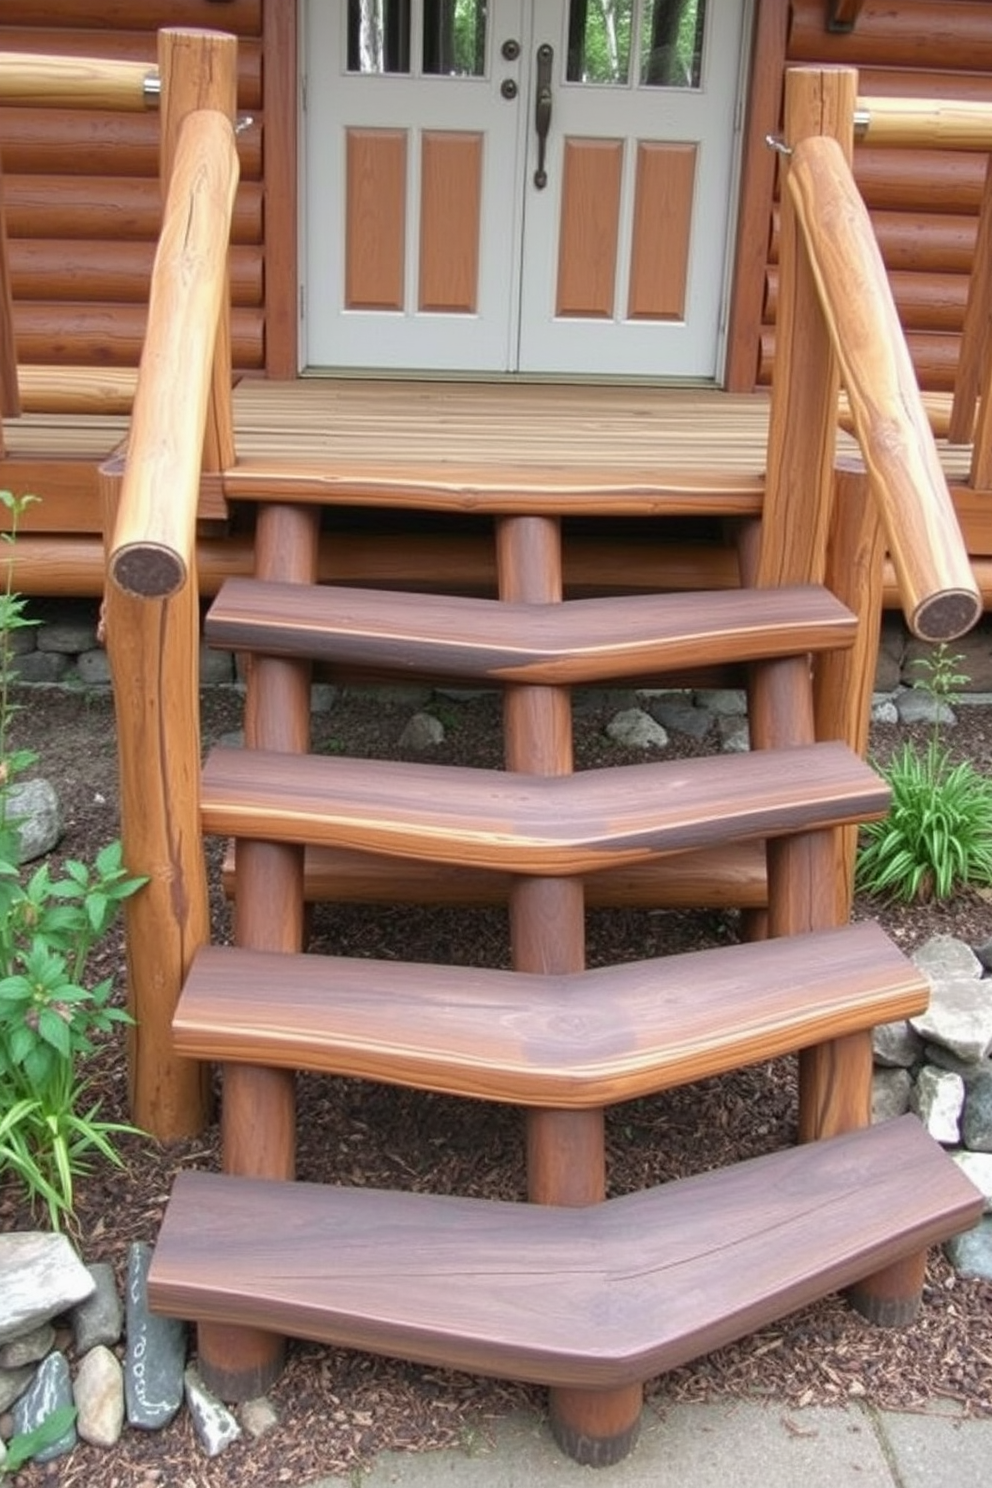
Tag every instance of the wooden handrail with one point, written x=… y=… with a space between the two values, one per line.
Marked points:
x=939 y=595
x=152 y=549
x=82 y=82
x=924 y=123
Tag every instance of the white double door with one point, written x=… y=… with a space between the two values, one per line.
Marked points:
x=530 y=186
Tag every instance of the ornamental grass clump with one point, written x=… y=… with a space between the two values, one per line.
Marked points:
x=50 y=924
x=937 y=837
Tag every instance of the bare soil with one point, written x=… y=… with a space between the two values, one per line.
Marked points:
x=338 y=1409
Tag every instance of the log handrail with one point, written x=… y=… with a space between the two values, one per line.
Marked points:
x=939 y=595
x=36 y=81
x=153 y=544
x=924 y=123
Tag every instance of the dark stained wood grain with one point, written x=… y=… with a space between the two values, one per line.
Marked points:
x=587 y=640
x=598 y=1297
x=569 y=1040
x=523 y=824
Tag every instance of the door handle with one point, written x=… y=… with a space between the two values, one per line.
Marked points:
x=542 y=110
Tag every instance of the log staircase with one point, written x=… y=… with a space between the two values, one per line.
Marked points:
x=586 y=1294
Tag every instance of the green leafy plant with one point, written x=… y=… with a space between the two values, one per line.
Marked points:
x=27 y=1444
x=937 y=837
x=50 y=924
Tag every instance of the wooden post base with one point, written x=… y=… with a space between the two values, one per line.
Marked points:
x=891 y=1298
x=238 y=1363
x=596 y=1428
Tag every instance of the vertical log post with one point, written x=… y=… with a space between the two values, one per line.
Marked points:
x=803 y=891
x=259 y=1105
x=843 y=680
x=566 y=1162
x=158 y=732
x=199 y=70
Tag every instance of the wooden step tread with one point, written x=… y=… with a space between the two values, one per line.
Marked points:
x=583 y=1040
x=596 y=1297
x=580 y=641
x=566 y=824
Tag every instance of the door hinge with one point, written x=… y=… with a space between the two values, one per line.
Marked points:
x=303 y=302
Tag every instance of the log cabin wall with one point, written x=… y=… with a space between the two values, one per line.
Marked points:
x=82 y=187
x=924 y=203
x=83 y=203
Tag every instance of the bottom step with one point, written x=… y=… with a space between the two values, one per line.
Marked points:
x=590 y=1298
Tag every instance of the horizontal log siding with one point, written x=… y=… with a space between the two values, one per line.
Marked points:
x=924 y=203
x=82 y=190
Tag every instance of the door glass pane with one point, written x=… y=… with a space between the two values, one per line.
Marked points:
x=599 y=41
x=672 y=43
x=379 y=36
x=455 y=37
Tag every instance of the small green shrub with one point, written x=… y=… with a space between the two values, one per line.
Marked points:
x=49 y=1016
x=937 y=837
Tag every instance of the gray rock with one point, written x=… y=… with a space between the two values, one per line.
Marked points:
x=971 y=1253
x=977 y=1166
x=730 y=702
x=423 y=731
x=916 y=706
x=69 y=633
x=93 y=668
x=20 y=642
x=890 y=1093
x=49 y=1391
x=28 y=1347
x=884 y=710
x=98 y=1391
x=42 y=1277
x=323 y=696
x=590 y=700
x=100 y=1319
x=13 y=1383
x=34 y=806
x=946 y=957
x=42 y=666
x=676 y=713
x=896 y=1045
x=735 y=736
x=156 y=1351
x=937 y=1098
x=959 y=1017
x=637 y=730
x=215 y=1426
x=968 y=1069
x=215 y=666
x=258 y=1416
x=464 y=694
x=976 y=1120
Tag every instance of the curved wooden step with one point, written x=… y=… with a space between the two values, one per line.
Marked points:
x=565 y=824
x=579 y=641
x=584 y=1040
x=596 y=1297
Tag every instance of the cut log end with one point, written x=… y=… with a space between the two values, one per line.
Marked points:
x=946 y=616
x=148 y=571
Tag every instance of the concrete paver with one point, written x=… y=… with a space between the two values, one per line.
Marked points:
x=745 y=1443
x=938 y=1450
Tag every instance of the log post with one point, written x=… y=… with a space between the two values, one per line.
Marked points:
x=566 y=1161
x=258 y=1122
x=158 y=739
